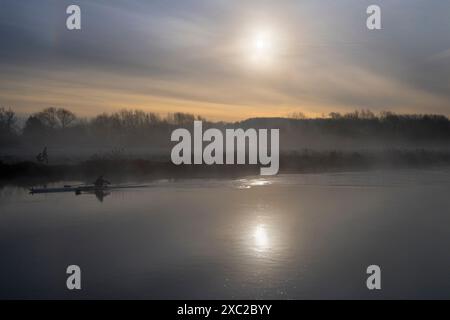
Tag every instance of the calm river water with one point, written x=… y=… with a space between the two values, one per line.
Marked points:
x=286 y=237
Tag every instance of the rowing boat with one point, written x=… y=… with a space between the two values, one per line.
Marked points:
x=82 y=188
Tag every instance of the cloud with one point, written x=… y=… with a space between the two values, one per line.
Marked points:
x=189 y=56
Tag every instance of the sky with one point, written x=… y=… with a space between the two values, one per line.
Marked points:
x=226 y=59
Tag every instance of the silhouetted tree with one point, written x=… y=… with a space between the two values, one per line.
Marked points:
x=367 y=114
x=180 y=118
x=48 y=117
x=8 y=121
x=34 y=127
x=136 y=127
x=65 y=117
x=335 y=115
x=297 y=115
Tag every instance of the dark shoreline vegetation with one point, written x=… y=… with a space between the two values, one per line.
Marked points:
x=28 y=173
x=135 y=145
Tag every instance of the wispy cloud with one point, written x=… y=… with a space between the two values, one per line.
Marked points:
x=191 y=56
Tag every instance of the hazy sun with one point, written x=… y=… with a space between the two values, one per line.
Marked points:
x=262 y=44
x=261 y=47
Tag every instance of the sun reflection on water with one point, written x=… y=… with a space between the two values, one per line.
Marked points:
x=262 y=242
x=259 y=182
x=249 y=183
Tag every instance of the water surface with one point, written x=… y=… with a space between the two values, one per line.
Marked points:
x=286 y=237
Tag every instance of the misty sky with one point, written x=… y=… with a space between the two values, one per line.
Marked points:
x=199 y=57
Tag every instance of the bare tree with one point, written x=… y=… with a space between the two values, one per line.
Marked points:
x=48 y=117
x=180 y=118
x=65 y=117
x=335 y=115
x=8 y=120
x=367 y=114
x=297 y=115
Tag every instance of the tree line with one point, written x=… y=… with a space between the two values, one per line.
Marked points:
x=59 y=125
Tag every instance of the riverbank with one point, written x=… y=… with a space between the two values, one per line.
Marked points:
x=27 y=172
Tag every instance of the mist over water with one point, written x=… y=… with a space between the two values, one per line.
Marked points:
x=289 y=236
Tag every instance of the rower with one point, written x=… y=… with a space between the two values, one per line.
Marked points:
x=43 y=156
x=100 y=182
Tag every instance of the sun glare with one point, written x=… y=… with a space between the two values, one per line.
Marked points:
x=261 y=238
x=262 y=43
x=261 y=47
